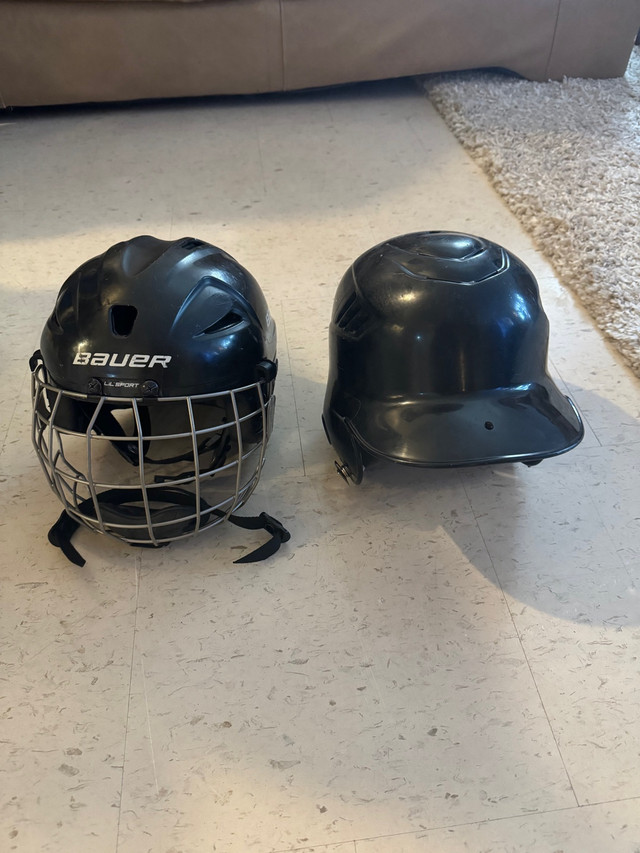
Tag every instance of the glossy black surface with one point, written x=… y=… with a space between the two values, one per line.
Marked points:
x=183 y=300
x=438 y=351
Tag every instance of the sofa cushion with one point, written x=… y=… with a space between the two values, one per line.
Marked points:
x=76 y=52
x=121 y=2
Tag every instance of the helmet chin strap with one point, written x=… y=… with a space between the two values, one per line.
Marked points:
x=62 y=531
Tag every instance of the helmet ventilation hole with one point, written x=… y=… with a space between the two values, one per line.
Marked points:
x=229 y=320
x=352 y=318
x=122 y=319
x=488 y=425
x=190 y=243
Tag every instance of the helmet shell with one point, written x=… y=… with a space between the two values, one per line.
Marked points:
x=438 y=357
x=177 y=317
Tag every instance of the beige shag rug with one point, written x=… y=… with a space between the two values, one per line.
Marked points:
x=566 y=159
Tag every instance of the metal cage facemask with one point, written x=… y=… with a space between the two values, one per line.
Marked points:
x=151 y=472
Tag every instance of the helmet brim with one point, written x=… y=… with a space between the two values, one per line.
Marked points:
x=524 y=424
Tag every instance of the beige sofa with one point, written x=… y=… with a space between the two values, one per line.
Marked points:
x=72 y=51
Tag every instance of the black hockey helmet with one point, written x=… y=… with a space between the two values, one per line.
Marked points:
x=153 y=393
x=438 y=358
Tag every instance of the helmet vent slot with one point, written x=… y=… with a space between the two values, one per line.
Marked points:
x=191 y=243
x=352 y=318
x=123 y=318
x=231 y=319
x=64 y=305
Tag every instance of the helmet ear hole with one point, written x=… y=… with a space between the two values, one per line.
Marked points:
x=123 y=318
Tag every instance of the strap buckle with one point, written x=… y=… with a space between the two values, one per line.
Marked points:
x=274 y=527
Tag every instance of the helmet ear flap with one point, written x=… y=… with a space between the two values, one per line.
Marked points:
x=341 y=438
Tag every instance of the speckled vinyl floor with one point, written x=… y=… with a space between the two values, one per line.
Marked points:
x=438 y=661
